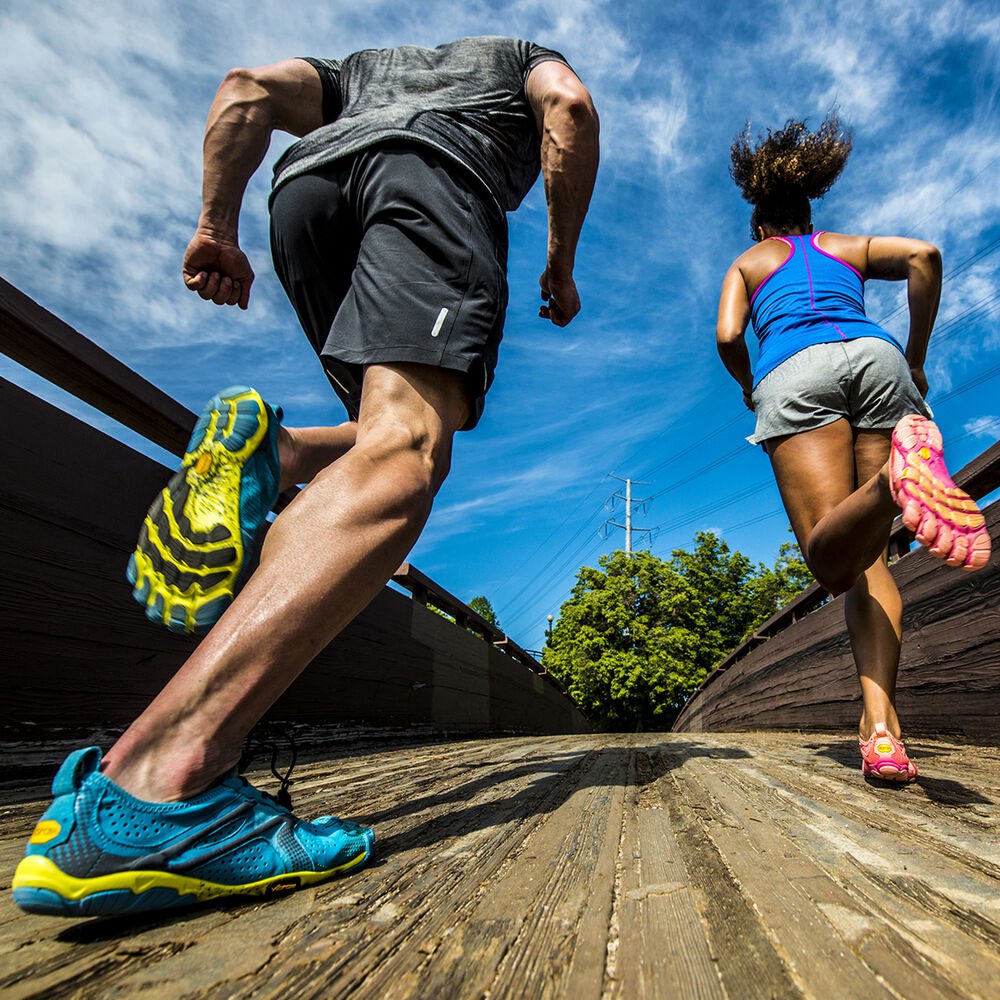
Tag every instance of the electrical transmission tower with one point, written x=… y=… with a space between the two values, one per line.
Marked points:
x=629 y=501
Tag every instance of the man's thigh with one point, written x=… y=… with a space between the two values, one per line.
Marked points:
x=315 y=241
x=429 y=287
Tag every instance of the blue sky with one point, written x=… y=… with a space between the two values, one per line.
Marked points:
x=101 y=130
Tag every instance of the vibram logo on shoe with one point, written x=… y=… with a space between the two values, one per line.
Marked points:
x=46 y=830
x=203 y=464
x=925 y=454
x=283 y=885
x=884 y=747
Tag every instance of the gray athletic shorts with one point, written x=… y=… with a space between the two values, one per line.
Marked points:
x=865 y=381
x=394 y=254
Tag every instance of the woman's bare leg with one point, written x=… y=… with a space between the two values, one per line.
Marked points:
x=843 y=532
x=874 y=611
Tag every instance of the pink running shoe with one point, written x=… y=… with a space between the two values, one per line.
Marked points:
x=883 y=756
x=943 y=517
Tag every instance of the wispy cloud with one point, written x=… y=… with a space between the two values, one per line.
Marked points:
x=102 y=118
x=988 y=427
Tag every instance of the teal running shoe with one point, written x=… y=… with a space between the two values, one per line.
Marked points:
x=198 y=537
x=98 y=851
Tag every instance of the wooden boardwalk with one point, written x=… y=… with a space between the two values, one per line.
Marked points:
x=623 y=866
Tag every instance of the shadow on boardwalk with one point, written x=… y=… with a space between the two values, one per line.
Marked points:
x=730 y=865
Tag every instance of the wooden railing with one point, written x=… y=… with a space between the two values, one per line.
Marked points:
x=797 y=624
x=425 y=591
x=45 y=344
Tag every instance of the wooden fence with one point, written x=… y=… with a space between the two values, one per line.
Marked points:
x=78 y=651
x=797 y=672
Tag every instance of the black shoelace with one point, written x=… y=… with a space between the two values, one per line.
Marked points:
x=262 y=738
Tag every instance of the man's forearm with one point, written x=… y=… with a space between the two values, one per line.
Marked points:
x=570 y=155
x=237 y=135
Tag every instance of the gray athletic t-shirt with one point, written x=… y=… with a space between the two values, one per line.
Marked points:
x=465 y=99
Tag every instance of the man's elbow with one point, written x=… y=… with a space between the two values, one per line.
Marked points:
x=244 y=86
x=573 y=102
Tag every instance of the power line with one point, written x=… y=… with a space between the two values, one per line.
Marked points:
x=945 y=330
x=937 y=208
x=552 y=533
x=529 y=589
x=960 y=268
x=523 y=604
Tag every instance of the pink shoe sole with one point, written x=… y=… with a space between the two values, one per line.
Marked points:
x=943 y=517
x=884 y=757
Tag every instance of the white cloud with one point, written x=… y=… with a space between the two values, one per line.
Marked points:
x=988 y=427
x=102 y=119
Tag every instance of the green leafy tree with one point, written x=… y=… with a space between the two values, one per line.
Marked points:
x=483 y=608
x=773 y=588
x=640 y=633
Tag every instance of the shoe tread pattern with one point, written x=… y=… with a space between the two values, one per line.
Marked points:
x=192 y=549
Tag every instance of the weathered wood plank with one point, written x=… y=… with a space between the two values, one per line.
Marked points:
x=502 y=871
x=914 y=899
x=661 y=943
x=949 y=679
x=766 y=868
x=39 y=340
x=749 y=964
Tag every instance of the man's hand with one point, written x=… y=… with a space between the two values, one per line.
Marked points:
x=218 y=270
x=748 y=400
x=560 y=297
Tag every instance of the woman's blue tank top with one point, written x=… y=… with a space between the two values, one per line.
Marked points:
x=812 y=298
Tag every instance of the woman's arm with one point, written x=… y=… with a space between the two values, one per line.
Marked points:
x=895 y=258
x=734 y=315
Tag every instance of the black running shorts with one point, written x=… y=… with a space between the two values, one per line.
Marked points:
x=394 y=255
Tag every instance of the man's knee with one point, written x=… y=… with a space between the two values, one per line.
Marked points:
x=417 y=456
x=409 y=415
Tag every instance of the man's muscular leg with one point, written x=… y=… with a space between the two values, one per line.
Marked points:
x=325 y=558
x=304 y=452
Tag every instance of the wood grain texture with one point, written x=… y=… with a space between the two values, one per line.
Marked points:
x=50 y=347
x=719 y=865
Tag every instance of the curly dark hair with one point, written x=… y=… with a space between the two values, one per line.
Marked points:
x=788 y=168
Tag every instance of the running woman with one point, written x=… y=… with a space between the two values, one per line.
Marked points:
x=840 y=405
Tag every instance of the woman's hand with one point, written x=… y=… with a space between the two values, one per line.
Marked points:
x=919 y=379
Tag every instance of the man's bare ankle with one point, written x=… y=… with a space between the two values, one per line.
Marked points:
x=166 y=777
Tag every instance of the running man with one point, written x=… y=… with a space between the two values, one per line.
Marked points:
x=840 y=406
x=389 y=235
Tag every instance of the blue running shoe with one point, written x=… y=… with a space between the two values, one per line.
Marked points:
x=98 y=851
x=198 y=537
